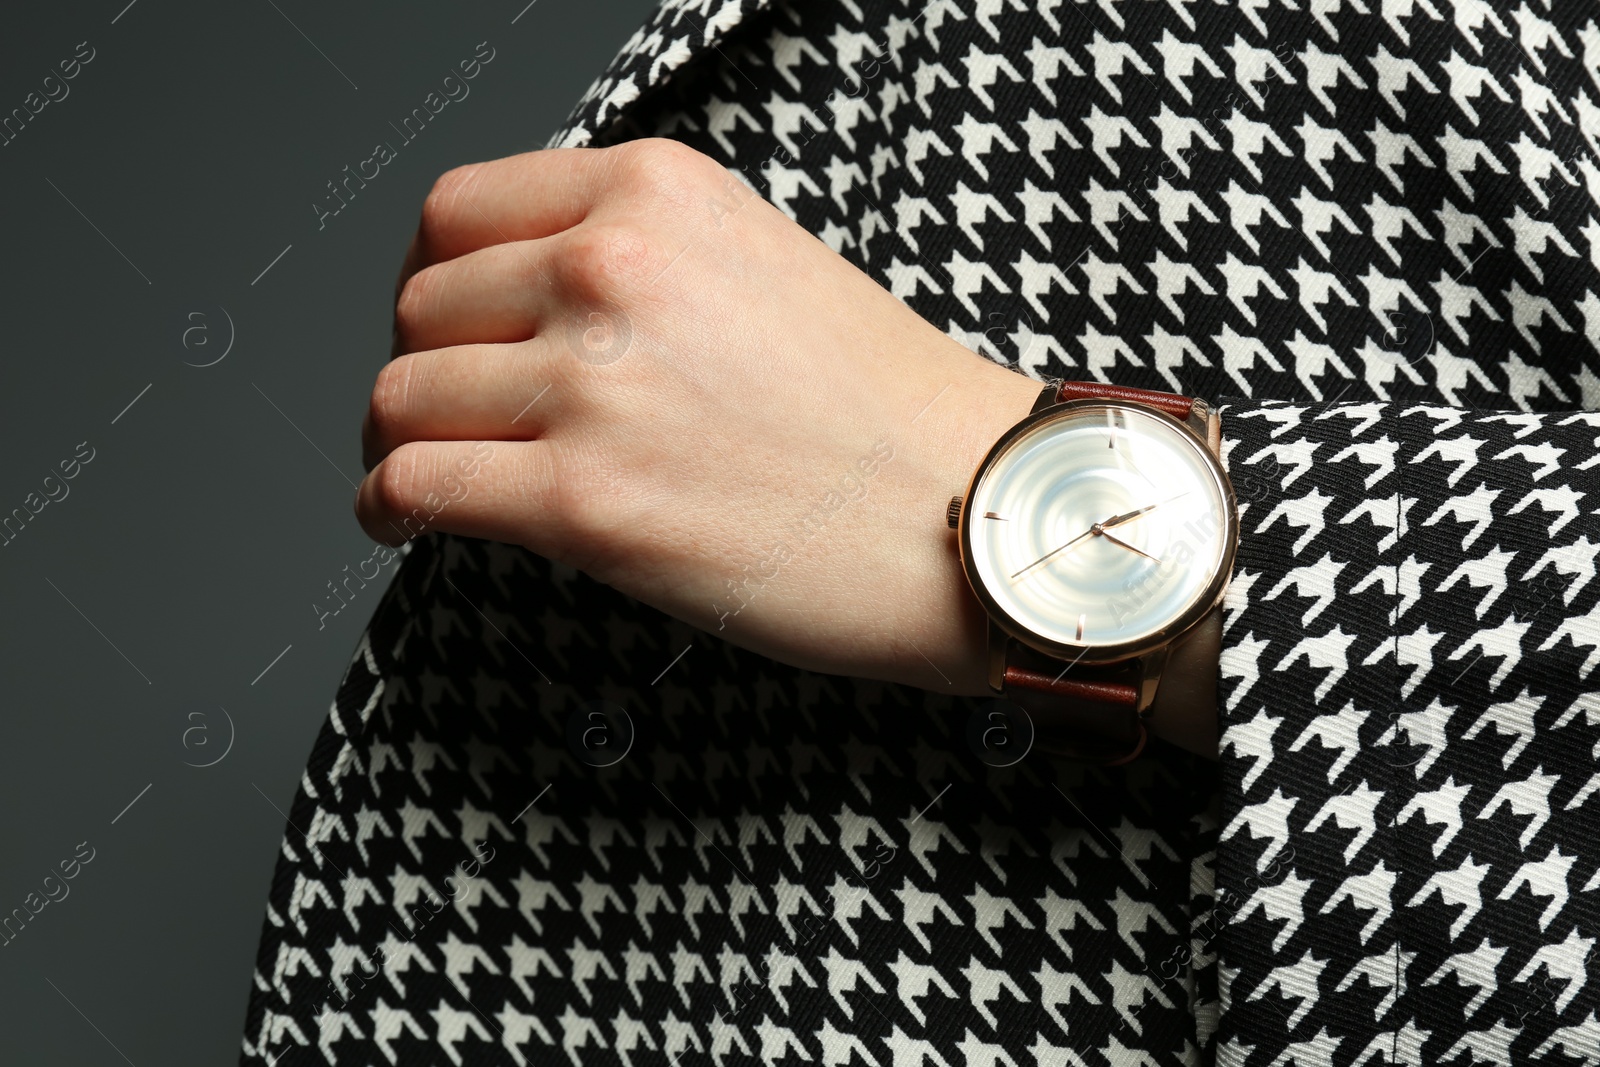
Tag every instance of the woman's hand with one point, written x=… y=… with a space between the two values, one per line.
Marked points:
x=625 y=360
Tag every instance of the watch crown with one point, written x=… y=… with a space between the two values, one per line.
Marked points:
x=952 y=514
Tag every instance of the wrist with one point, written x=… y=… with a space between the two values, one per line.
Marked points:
x=943 y=642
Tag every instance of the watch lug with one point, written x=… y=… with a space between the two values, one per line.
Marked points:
x=1151 y=666
x=998 y=640
x=1047 y=397
x=1204 y=423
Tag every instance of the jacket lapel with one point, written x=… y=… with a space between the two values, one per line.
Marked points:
x=676 y=33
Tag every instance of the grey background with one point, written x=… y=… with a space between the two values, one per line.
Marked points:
x=194 y=544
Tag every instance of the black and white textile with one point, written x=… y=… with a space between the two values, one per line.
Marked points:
x=1371 y=228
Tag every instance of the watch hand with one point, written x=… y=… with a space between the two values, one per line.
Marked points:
x=1100 y=528
x=1129 y=516
x=1091 y=530
x=1114 y=539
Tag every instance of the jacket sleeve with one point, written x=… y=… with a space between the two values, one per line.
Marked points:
x=1408 y=854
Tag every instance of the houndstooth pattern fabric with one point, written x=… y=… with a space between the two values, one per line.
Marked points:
x=1411 y=638
x=1372 y=230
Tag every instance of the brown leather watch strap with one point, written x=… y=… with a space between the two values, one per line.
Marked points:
x=1173 y=404
x=1090 y=718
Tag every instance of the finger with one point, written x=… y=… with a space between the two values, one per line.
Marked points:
x=491 y=296
x=495 y=490
x=466 y=393
x=519 y=198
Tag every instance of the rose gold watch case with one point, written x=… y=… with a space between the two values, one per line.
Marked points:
x=1201 y=430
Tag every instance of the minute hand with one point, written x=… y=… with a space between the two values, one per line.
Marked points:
x=1052 y=554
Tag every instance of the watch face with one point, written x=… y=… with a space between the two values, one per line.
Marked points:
x=1102 y=529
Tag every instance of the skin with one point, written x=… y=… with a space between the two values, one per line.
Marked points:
x=672 y=375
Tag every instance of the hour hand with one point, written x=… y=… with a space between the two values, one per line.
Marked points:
x=1129 y=516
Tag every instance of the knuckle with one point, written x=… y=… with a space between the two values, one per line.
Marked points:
x=398 y=479
x=412 y=303
x=661 y=162
x=386 y=409
x=607 y=262
x=438 y=207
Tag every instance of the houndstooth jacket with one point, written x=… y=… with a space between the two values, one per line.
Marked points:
x=545 y=824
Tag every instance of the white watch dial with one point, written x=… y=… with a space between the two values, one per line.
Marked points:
x=1101 y=525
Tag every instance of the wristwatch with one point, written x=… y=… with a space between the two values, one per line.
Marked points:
x=1098 y=533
